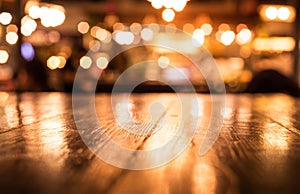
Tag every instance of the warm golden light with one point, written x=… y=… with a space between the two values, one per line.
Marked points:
x=147 y=34
x=271 y=12
x=170 y=28
x=207 y=29
x=94 y=30
x=86 y=62
x=154 y=27
x=230 y=68
x=110 y=20
x=157 y=4
x=102 y=62
x=163 y=62
x=66 y=51
x=118 y=26
x=53 y=62
x=168 y=15
x=188 y=28
x=198 y=37
x=5 y=18
x=3 y=56
x=241 y=27
x=135 y=28
x=227 y=37
x=12 y=28
x=83 y=27
x=283 y=13
x=62 y=63
x=94 y=45
x=108 y=38
x=102 y=34
x=244 y=36
x=277 y=13
x=34 y=12
x=245 y=51
x=224 y=27
x=28 y=26
x=184 y=44
x=3 y=98
x=52 y=16
x=179 y=5
x=12 y=38
x=149 y=19
x=30 y=4
x=275 y=44
x=53 y=36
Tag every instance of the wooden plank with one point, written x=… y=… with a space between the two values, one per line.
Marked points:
x=257 y=151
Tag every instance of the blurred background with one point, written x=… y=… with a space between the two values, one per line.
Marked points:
x=44 y=42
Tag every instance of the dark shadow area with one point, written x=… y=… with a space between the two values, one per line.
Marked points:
x=271 y=81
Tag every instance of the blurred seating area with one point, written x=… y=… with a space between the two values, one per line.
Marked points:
x=43 y=43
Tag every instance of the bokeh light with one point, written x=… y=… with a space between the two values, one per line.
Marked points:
x=179 y=5
x=283 y=13
x=53 y=62
x=278 y=44
x=277 y=13
x=5 y=18
x=118 y=26
x=223 y=27
x=167 y=3
x=147 y=34
x=271 y=13
x=227 y=37
x=102 y=34
x=198 y=37
x=53 y=36
x=11 y=38
x=163 y=62
x=63 y=62
x=11 y=28
x=207 y=29
x=27 y=51
x=86 y=62
x=94 y=30
x=4 y=56
x=244 y=36
x=83 y=27
x=124 y=38
x=157 y=4
x=168 y=15
x=188 y=28
x=241 y=27
x=136 y=28
x=52 y=16
x=102 y=62
x=28 y=26
x=34 y=11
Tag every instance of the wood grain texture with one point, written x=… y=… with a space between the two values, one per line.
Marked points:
x=42 y=152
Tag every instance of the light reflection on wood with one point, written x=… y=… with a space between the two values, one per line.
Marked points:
x=256 y=152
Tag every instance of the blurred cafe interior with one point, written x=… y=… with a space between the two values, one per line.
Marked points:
x=44 y=42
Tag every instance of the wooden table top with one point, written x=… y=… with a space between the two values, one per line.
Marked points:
x=257 y=151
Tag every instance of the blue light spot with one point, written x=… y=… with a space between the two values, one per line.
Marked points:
x=27 y=51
